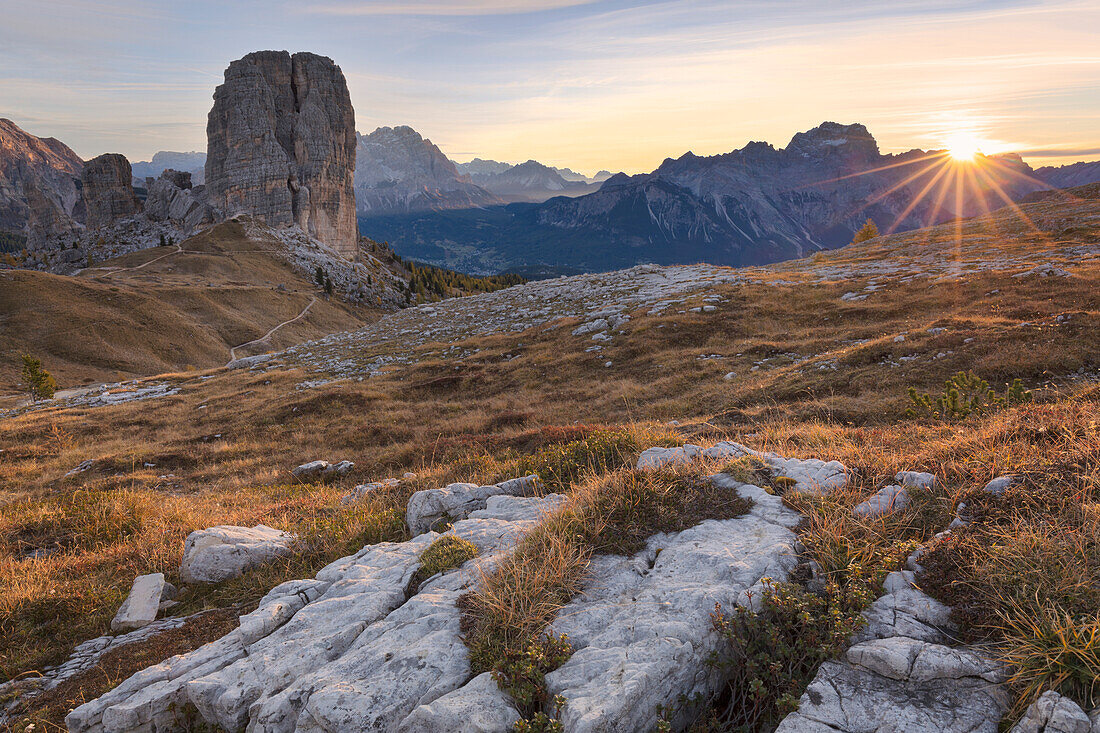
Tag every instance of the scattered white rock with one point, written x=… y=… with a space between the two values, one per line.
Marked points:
x=888 y=500
x=1053 y=713
x=1046 y=270
x=81 y=467
x=343 y=651
x=218 y=553
x=247 y=362
x=999 y=485
x=313 y=468
x=322 y=468
x=915 y=479
x=901 y=675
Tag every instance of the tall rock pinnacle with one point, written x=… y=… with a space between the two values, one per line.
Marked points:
x=281 y=146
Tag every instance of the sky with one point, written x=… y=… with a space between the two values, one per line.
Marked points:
x=588 y=84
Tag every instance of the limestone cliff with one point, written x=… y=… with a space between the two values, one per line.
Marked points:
x=281 y=146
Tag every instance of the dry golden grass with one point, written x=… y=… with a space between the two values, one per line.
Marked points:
x=229 y=442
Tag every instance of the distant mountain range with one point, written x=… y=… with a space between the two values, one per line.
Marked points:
x=755 y=205
x=192 y=162
x=398 y=171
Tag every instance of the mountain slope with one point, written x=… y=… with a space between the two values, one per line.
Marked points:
x=398 y=171
x=46 y=163
x=754 y=205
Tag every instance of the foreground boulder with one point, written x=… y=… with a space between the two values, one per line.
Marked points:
x=281 y=146
x=220 y=553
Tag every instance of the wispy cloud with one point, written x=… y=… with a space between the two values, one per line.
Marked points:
x=439 y=7
x=1060 y=153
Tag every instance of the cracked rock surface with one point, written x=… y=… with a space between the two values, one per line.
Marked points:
x=902 y=675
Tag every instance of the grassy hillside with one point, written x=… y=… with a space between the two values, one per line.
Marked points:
x=812 y=359
x=162 y=309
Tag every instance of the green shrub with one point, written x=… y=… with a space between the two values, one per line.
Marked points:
x=561 y=466
x=523 y=676
x=39 y=382
x=963 y=395
x=445 y=553
x=768 y=658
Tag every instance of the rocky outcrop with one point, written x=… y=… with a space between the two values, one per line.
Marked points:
x=398 y=171
x=281 y=146
x=108 y=191
x=171 y=197
x=455 y=501
x=347 y=650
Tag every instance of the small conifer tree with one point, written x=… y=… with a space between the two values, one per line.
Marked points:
x=869 y=231
x=319 y=276
x=39 y=382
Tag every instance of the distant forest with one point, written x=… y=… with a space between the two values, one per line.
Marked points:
x=431 y=283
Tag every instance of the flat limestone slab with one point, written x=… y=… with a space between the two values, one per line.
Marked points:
x=142 y=605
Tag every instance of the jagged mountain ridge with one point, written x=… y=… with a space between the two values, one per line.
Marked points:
x=755 y=205
x=1069 y=176
x=398 y=170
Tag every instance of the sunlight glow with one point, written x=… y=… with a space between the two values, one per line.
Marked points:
x=964 y=146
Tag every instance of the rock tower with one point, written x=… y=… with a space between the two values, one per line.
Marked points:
x=281 y=146
x=108 y=191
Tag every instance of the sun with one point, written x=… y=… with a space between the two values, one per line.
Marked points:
x=964 y=147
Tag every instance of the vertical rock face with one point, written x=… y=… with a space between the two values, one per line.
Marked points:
x=46 y=218
x=108 y=190
x=281 y=146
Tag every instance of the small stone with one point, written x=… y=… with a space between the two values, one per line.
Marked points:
x=313 y=468
x=888 y=500
x=999 y=485
x=915 y=479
